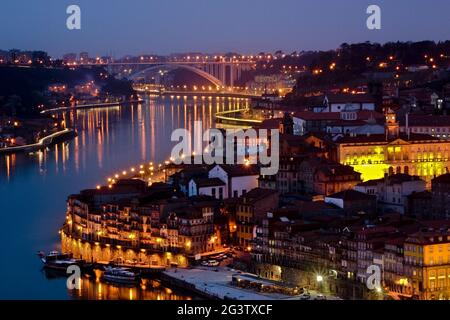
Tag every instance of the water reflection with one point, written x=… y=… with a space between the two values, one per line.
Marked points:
x=94 y=289
x=34 y=188
x=151 y=290
x=141 y=130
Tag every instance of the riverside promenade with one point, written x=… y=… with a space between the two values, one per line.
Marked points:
x=91 y=106
x=216 y=283
x=42 y=143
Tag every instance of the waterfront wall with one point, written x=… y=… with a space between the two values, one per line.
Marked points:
x=308 y=279
x=98 y=253
x=47 y=141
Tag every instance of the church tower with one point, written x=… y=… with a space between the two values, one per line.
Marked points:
x=392 y=128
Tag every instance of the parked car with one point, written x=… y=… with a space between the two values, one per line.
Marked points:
x=321 y=297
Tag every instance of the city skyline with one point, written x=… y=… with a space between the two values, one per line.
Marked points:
x=227 y=150
x=156 y=28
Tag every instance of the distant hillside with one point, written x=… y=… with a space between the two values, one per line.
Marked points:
x=24 y=87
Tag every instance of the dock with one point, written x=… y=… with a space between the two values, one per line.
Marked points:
x=43 y=143
x=143 y=269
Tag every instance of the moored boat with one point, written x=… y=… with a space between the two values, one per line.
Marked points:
x=119 y=275
x=59 y=261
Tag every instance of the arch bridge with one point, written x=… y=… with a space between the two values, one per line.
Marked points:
x=170 y=67
x=220 y=73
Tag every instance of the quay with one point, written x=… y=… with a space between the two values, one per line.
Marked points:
x=181 y=93
x=216 y=283
x=91 y=106
x=144 y=270
x=234 y=117
x=43 y=143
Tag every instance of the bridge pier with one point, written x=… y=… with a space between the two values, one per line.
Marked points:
x=231 y=75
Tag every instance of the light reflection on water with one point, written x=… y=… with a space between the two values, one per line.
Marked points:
x=95 y=289
x=34 y=188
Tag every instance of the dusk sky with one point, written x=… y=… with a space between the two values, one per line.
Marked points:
x=245 y=26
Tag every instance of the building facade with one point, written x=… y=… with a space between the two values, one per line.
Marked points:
x=394 y=152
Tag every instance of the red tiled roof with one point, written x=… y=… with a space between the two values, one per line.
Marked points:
x=431 y=236
x=257 y=194
x=391 y=179
x=445 y=178
x=381 y=138
x=367 y=114
x=342 y=122
x=337 y=169
x=420 y=195
x=273 y=123
x=347 y=98
x=208 y=182
x=349 y=195
x=310 y=115
x=324 y=116
x=427 y=120
x=240 y=170
x=369 y=183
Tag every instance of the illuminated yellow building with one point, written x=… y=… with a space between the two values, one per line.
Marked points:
x=394 y=152
x=427 y=264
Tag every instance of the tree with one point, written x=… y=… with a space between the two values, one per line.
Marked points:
x=13 y=103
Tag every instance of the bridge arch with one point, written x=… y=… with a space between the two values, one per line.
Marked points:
x=171 y=67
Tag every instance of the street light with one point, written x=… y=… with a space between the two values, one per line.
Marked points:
x=319 y=278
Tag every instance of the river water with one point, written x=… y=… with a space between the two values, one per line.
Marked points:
x=33 y=188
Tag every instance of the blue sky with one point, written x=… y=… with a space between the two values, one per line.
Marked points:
x=246 y=26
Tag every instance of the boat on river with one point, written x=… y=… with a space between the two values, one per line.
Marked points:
x=120 y=275
x=60 y=261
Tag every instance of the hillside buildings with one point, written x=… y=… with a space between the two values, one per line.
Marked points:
x=394 y=152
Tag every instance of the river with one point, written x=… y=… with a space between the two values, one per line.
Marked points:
x=34 y=188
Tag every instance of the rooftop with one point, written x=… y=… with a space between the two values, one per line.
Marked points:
x=381 y=138
x=208 y=182
x=445 y=178
x=431 y=236
x=349 y=98
x=420 y=195
x=401 y=177
x=349 y=195
x=257 y=194
x=427 y=120
x=240 y=170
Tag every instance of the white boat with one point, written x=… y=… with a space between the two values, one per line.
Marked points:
x=119 y=275
x=59 y=261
